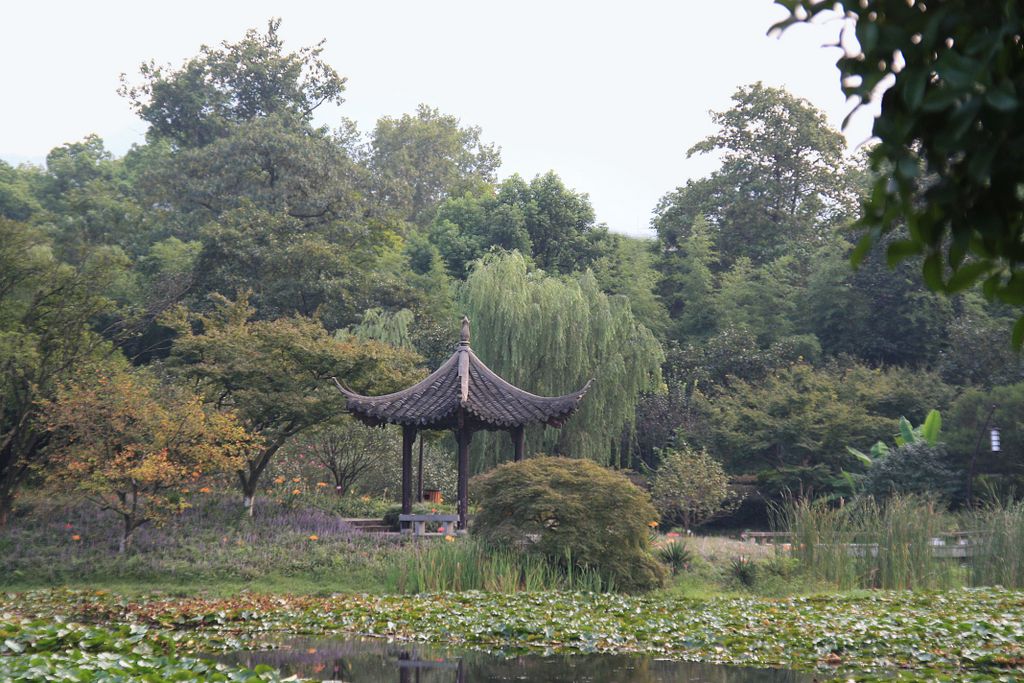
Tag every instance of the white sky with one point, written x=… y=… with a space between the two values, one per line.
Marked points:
x=609 y=95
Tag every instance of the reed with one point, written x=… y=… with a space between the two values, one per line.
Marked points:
x=467 y=564
x=998 y=558
x=868 y=544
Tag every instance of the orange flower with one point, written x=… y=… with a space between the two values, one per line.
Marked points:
x=652 y=524
x=296 y=492
x=76 y=537
x=296 y=479
x=278 y=480
x=321 y=484
x=314 y=537
x=449 y=538
x=205 y=489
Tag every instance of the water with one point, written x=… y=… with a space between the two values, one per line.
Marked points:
x=377 y=661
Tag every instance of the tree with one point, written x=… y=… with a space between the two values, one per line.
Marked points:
x=423 y=158
x=914 y=468
x=129 y=445
x=570 y=511
x=47 y=310
x=550 y=335
x=687 y=282
x=782 y=187
x=542 y=218
x=690 y=487
x=253 y=78
x=346 y=449
x=794 y=427
x=276 y=374
x=950 y=155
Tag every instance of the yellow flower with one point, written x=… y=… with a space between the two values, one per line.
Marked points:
x=314 y=537
x=365 y=499
x=449 y=538
x=296 y=492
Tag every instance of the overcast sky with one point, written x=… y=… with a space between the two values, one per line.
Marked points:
x=609 y=95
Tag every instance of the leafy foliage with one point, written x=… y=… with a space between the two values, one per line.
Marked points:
x=916 y=467
x=276 y=375
x=573 y=512
x=243 y=81
x=948 y=160
x=130 y=445
x=690 y=487
x=550 y=336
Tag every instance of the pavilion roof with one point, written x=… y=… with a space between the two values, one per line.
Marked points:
x=464 y=381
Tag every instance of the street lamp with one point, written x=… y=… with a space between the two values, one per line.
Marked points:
x=994 y=439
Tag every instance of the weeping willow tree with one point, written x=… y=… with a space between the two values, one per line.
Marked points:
x=550 y=335
x=386 y=326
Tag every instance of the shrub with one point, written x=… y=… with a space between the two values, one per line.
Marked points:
x=675 y=556
x=690 y=487
x=914 y=468
x=573 y=512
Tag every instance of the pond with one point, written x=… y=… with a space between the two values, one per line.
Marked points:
x=376 y=661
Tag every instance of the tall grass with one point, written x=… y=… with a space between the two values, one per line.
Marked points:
x=999 y=555
x=467 y=564
x=868 y=544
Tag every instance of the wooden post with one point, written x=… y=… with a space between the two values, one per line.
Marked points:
x=518 y=442
x=419 y=479
x=408 y=437
x=463 y=436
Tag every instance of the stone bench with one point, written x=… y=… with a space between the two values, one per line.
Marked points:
x=417 y=524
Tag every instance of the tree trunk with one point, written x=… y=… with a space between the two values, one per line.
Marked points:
x=249 y=477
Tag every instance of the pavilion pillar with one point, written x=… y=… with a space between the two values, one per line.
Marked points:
x=518 y=442
x=463 y=436
x=408 y=438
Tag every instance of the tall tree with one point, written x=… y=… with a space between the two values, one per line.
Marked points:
x=950 y=157
x=782 y=186
x=543 y=218
x=423 y=158
x=201 y=101
x=549 y=336
x=275 y=375
x=47 y=313
x=687 y=283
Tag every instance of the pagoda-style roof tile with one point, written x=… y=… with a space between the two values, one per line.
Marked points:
x=464 y=381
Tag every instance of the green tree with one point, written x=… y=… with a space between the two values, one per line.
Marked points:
x=627 y=268
x=203 y=99
x=18 y=200
x=783 y=185
x=794 y=427
x=574 y=511
x=543 y=218
x=967 y=422
x=880 y=315
x=950 y=158
x=47 y=312
x=275 y=375
x=549 y=336
x=690 y=487
x=421 y=159
x=687 y=282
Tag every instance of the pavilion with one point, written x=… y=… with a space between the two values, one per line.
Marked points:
x=465 y=396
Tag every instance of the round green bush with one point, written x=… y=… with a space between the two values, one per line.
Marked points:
x=572 y=512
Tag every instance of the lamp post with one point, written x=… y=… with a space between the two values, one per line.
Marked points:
x=993 y=435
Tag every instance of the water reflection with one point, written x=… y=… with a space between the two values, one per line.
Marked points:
x=378 y=661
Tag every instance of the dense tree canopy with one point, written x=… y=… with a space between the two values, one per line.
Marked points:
x=951 y=151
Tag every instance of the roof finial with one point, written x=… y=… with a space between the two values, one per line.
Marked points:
x=464 y=338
